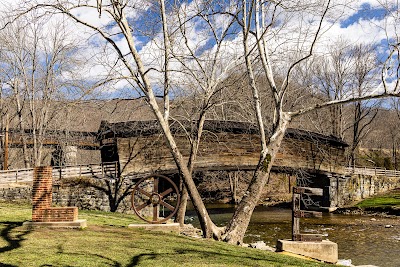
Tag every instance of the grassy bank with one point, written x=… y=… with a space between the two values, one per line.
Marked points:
x=389 y=200
x=108 y=242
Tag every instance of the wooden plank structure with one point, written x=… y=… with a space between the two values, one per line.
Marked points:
x=297 y=213
x=107 y=169
x=141 y=149
x=372 y=171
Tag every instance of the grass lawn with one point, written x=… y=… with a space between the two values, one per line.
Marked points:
x=108 y=242
x=389 y=200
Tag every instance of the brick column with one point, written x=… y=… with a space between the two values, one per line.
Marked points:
x=42 y=198
x=41 y=191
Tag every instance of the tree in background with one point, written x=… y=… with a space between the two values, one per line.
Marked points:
x=363 y=81
x=347 y=70
x=39 y=63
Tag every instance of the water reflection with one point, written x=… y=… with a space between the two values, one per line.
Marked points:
x=359 y=238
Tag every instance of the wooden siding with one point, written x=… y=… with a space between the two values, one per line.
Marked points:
x=224 y=151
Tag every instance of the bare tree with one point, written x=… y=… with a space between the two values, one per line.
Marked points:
x=260 y=23
x=332 y=74
x=37 y=58
x=364 y=78
x=255 y=43
x=347 y=70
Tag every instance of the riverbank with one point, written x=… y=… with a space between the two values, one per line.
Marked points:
x=107 y=241
x=385 y=205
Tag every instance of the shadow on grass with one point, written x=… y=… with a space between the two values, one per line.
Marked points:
x=222 y=255
x=110 y=262
x=14 y=241
x=136 y=260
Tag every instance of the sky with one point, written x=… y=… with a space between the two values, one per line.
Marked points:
x=359 y=22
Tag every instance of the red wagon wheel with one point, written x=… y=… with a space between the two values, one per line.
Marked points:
x=155 y=191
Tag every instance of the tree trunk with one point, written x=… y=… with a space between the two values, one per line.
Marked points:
x=210 y=230
x=22 y=131
x=233 y=182
x=180 y=215
x=237 y=226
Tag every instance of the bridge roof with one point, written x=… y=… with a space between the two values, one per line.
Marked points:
x=151 y=127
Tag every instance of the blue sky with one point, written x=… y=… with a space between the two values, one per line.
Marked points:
x=354 y=25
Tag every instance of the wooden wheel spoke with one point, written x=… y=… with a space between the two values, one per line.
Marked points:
x=166 y=192
x=168 y=206
x=141 y=198
x=139 y=208
x=147 y=194
x=155 y=190
x=155 y=213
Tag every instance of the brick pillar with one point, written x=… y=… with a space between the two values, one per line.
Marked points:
x=42 y=198
x=41 y=191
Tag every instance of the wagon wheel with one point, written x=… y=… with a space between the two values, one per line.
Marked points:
x=147 y=194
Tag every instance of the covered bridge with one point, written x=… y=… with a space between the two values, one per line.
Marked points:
x=140 y=148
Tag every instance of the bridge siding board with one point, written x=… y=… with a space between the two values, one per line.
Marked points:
x=147 y=154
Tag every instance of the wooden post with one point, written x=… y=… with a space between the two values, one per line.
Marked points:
x=295 y=219
x=297 y=213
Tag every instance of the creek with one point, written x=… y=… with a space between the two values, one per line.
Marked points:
x=363 y=239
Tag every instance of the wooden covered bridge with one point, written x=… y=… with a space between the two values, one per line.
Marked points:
x=135 y=149
x=226 y=146
x=140 y=148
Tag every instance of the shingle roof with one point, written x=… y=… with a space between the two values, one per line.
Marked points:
x=151 y=127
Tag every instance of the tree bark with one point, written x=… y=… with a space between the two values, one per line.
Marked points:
x=180 y=215
x=237 y=226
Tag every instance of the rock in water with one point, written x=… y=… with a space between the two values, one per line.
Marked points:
x=261 y=245
x=344 y=263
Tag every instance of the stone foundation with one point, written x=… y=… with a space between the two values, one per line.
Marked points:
x=344 y=191
x=339 y=191
x=326 y=251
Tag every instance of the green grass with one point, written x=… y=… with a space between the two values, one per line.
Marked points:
x=389 y=200
x=107 y=242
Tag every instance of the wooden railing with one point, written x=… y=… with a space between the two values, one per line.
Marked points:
x=372 y=171
x=108 y=169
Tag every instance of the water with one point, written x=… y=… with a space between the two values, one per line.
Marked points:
x=359 y=238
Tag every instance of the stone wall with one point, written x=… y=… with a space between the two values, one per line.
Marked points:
x=85 y=198
x=214 y=188
x=344 y=191
x=339 y=191
x=21 y=193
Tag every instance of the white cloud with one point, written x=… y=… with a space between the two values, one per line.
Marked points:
x=287 y=43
